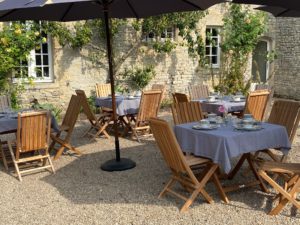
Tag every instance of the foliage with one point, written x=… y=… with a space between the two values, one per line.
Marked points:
x=55 y=110
x=166 y=103
x=138 y=78
x=241 y=32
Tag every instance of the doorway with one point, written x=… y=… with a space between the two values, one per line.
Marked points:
x=260 y=65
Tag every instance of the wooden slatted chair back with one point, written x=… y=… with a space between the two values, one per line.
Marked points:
x=262 y=87
x=186 y=112
x=149 y=105
x=180 y=97
x=85 y=105
x=33 y=131
x=71 y=114
x=161 y=87
x=103 y=90
x=286 y=113
x=170 y=148
x=198 y=91
x=256 y=103
x=4 y=102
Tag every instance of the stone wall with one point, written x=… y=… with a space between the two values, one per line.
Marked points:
x=287 y=65
x=177 y=70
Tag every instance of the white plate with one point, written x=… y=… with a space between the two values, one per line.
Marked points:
x=242 y=100
x=253 y=128
x=199 y=127
x=207 y=101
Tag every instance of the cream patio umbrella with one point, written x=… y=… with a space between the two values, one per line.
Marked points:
x=72 y=10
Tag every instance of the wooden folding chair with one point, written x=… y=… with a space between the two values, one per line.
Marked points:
x=66 y=128
x=198 y=91
x=181 y=167
x=256 y=103
x=5 y=103
x=103 y=90
x=180 y=97
x=288 y=192
x=161 y=87
x=149 y=107
x=262 y=87
x=33 y=135
x=285 y=113
x=98 y=124
x=186 y=112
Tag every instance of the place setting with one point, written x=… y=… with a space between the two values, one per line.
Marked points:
x=248 y=123
x=211 y=123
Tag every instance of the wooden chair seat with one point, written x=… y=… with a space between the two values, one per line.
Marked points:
x=192 y=160
x=181 y=167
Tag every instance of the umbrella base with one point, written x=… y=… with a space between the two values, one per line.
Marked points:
x=114 y=165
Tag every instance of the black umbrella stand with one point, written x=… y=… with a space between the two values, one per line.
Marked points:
x=118 y=164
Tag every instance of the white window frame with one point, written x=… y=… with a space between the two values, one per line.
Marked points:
x=210 y=46
x=32 y=64
x=169 y=33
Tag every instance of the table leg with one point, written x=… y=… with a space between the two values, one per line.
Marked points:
x=258 y=180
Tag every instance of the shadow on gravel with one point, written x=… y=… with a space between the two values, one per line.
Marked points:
x=83 y=182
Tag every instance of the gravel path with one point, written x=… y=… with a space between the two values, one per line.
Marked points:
x=81 y=193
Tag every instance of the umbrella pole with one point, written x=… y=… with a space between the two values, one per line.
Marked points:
x=119 y=163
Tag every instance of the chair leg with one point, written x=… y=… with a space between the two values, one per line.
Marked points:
x=220 y=188
x=14 y=161
x=189 y=201
x=168 y=185
x=59 y=152
x=3 y=158
x=251 y=164
x=287 y=196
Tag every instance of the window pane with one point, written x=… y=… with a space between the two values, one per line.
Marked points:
x=214 y=32
x=214 y=59
x=46 y=72
x=45 y=60
x=38 y=60
x=214 y=50
x=39 y=72
x=45 y=48
x=207 y=50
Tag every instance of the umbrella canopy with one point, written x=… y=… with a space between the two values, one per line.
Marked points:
x=279 y=11
x=289 y=4
x=64 y=10
x=71 y=10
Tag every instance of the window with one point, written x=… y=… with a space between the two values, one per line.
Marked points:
x=39 y=64
x=169 y=33
x=212 y=46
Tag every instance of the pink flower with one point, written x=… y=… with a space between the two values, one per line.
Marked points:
x=221 y=109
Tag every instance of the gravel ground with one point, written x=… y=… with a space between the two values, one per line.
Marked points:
x=81 y=193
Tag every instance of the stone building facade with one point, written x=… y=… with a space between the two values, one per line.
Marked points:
x=177 y=70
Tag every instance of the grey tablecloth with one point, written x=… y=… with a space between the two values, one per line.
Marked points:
x=227 y=102
x=9 y=124
x=225 y=142
x=124 y=105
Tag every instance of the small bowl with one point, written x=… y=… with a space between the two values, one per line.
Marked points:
x=204 y=123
